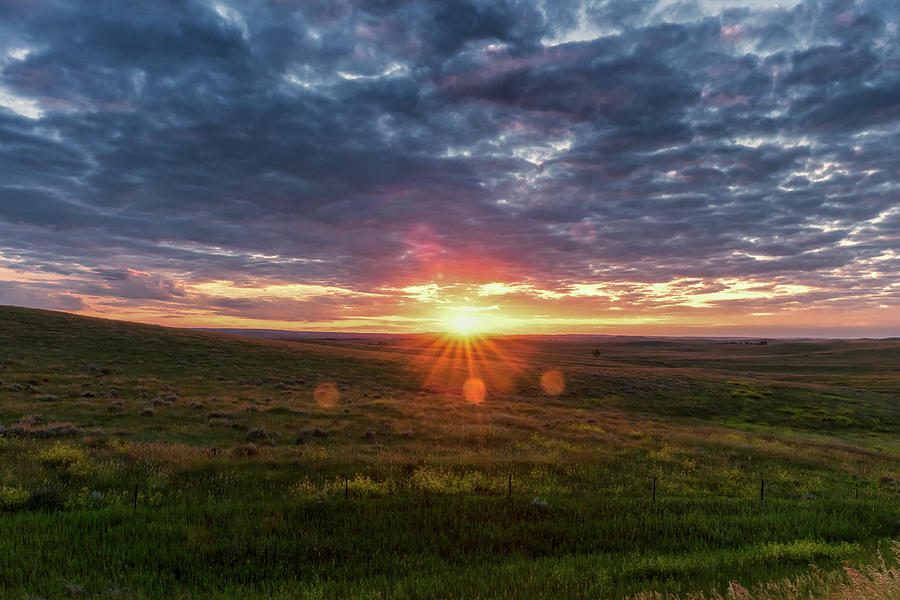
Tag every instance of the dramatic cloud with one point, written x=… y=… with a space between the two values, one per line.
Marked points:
x=661 y=167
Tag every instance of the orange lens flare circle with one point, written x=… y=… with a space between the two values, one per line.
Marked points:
x=553 y=383
x=474 y=390
x=326 y=394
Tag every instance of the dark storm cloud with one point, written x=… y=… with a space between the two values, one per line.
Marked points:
x=376 y=144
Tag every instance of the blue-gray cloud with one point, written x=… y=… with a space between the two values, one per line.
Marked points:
x=315 y=142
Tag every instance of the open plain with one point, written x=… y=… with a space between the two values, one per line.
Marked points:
x=144 y=462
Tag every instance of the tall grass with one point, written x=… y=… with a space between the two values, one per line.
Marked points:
x=877 y=581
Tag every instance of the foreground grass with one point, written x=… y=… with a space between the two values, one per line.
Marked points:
x=877 y=581
x=140 y=462
x=424 y=547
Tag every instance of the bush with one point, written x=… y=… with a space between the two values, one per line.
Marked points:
x=12 y=498
x=60 y=455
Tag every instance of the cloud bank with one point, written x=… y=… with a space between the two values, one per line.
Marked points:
x=605 y=166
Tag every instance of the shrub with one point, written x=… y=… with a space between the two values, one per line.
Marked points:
x=60 y=455
x=256 y=433
x=245 y=450
x=12 y=498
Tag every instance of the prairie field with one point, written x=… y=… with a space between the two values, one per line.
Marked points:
x=144 y=462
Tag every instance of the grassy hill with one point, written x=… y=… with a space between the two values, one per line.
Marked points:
x=146 y=462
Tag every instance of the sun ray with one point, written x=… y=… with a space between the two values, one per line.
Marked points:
x=443 y=359
x=516 y=364
x=473 y=365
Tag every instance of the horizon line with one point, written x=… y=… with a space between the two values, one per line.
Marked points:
x=314 y=332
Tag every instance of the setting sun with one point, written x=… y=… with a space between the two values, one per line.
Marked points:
x=463 y=324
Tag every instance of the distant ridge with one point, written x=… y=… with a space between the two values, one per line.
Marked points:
x=589 y=337
x=287 y=334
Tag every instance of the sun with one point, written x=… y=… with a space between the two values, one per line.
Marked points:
x=463 y=324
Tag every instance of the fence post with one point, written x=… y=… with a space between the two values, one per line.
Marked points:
x=762 y=489
x=134 y=500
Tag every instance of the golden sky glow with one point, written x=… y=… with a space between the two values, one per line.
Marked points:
x=682 y=306
x=464 y=324
x=678 y=307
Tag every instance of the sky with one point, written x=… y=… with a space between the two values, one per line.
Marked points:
x=659 y=168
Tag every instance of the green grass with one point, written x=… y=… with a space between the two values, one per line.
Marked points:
x=355 y=547
x=417 y=493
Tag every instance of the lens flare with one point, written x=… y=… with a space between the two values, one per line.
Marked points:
x=474 y=390
x=553 y=383
x=326 y=394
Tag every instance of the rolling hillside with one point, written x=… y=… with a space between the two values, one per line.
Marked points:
x=146 y=462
